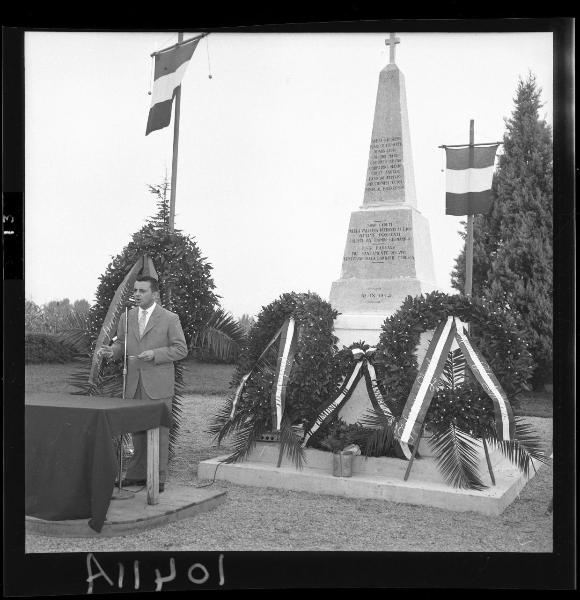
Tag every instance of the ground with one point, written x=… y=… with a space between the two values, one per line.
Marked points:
x=270 y=519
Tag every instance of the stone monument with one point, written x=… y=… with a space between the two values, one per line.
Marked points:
x=388 y=252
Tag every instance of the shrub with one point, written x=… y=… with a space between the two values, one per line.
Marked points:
x=184 y=275
x=46 y=348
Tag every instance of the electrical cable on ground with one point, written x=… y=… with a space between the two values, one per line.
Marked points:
x=213 y=480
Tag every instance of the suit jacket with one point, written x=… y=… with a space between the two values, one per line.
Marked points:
x=164 y=336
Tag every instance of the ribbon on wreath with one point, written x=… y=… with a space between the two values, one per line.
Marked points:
x=286 y=351
x=289 y=334
x=409 y=425
x=363 y=365
x=504 y=417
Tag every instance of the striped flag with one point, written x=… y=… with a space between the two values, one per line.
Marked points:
x=469 y=176
x=170 y=66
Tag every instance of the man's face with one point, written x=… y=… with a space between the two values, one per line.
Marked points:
x=143 y=294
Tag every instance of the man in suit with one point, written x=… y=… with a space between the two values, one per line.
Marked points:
x=154 y=341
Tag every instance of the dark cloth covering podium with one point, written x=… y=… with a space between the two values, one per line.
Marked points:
x=70 y=459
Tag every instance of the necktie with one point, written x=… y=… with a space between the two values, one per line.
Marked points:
x=142 y=322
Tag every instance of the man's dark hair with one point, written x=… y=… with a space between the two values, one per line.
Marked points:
x=154 y=283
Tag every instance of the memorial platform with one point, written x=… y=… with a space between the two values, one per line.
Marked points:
x=374 y=478
x=134 y=514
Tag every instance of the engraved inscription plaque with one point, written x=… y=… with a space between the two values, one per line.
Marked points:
x=385 y=171
x=379 y=244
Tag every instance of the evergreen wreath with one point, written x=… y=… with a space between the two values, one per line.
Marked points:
x=493 y=330
x=374 y=432
x=460 y=411
x=314 y=379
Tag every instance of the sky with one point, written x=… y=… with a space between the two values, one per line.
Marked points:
x=273 y=148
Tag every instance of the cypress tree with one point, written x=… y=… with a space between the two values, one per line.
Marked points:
x=513 y=244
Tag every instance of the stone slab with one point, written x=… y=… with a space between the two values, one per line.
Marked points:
x=133 y=515
x=355 y=328
x=387 y=257
x=375 y=478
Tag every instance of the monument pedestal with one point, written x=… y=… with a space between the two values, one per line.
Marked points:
x=356 y=328
x=387 y=258
x=378 y=478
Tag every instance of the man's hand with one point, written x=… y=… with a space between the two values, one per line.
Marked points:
x=147 y=355
x=105 y=352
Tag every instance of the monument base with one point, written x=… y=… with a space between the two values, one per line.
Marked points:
x=381 y=296
x=376 y=478
x=350 y=328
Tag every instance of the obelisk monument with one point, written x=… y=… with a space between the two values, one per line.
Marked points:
x=388 y=253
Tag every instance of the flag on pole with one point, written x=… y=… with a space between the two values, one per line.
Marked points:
x=170 y=66
x=469 y=185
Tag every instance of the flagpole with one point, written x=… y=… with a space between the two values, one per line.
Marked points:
x=463 y=145
x=175 y=150
x=469 y=240
x=181 y=42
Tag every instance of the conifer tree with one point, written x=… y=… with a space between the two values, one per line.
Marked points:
x=513 y=244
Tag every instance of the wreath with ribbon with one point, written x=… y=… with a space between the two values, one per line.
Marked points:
x=459 y=409
x=494 y=331
x=286 y=372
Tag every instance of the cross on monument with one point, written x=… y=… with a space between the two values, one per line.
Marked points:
x=391 y=43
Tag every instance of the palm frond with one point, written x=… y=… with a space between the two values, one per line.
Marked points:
x=77 y=338
x=453 y=374
x=113 y=315
x=379 y=442
x=290 y=443
x=525 y=446
x=245 y=437
x=79 y=378
x=222 y=335
x=221 y=424
x=374 y=419
x=378 y=436
x=266 y=369
x=457 y=456
x=176 y=409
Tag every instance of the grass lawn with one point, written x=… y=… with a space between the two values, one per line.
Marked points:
x=199 y=378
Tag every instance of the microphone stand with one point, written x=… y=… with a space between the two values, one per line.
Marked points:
x=120 y=493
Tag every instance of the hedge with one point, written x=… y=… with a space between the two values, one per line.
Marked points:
x=46 y=348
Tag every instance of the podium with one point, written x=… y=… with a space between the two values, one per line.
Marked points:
x=70 y=460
